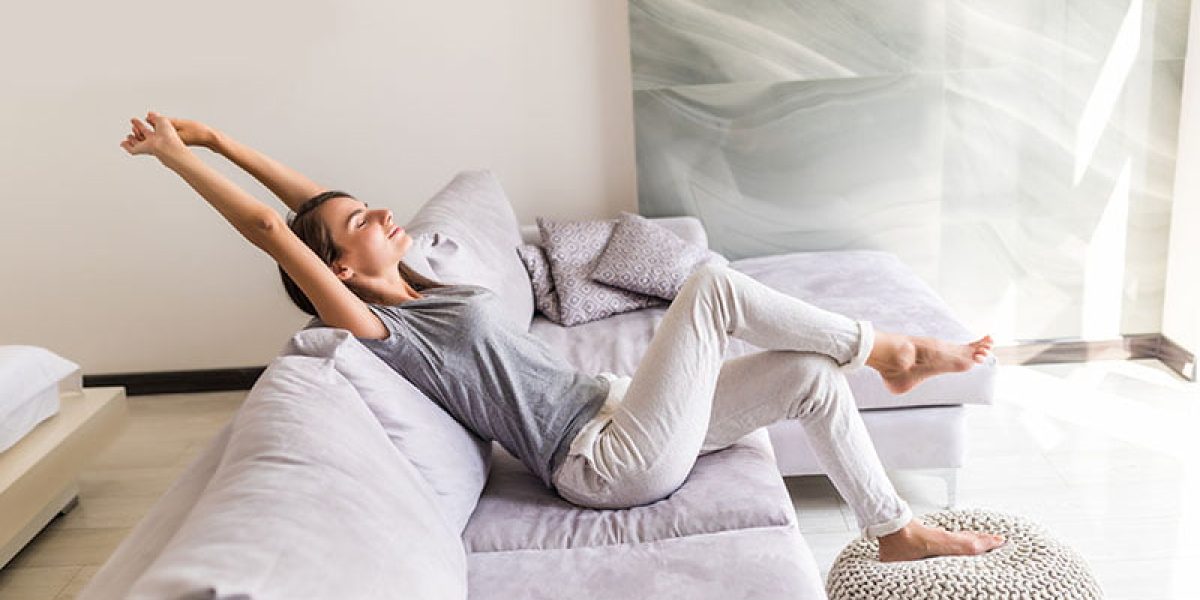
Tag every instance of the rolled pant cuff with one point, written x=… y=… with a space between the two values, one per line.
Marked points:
x=890 y=526
x=866 y=341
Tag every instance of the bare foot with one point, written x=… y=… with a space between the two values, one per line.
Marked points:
x=918 y=540
x=904 y=361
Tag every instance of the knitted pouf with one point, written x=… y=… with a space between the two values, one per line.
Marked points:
x=1030 y=564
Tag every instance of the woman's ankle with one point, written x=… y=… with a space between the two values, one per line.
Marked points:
x=887 y=350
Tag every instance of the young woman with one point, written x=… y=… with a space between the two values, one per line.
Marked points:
x=599 y=441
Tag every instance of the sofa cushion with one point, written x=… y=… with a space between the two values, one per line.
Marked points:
x=735 y=488
x=452 y=459
x=761 y=562
x=615 y=344
x=545 y=298
x=645 y=257
x=573 y=249
x=417 y=257
x=861 y=284
x=473 y=236
x=309 y=500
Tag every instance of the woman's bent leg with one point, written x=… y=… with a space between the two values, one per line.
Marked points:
x=759 y=389
x=651 y=442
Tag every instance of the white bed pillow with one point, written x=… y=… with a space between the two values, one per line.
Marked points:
x=31 y=379
x=26 y=371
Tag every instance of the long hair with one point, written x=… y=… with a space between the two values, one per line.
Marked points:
x=313 y=232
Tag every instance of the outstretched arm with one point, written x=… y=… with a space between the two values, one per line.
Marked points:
x=286 y=183
x=261 y=225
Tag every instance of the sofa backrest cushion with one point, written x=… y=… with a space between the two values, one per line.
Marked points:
x=310 y=500
x=469 y=234
x=452 y=460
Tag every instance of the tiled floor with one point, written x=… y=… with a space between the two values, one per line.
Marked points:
x=1105 y=455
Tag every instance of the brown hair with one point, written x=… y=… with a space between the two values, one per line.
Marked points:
x=313 y=232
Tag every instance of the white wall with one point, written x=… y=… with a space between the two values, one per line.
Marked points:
x=114 y=262
x=1181 y=312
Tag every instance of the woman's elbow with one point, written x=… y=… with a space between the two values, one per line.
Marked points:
x=264 y=226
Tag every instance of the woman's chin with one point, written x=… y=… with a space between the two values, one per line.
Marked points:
x=405 y=245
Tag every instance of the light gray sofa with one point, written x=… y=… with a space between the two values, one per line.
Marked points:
x=338 y=479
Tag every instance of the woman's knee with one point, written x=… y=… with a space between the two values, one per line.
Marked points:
x=822 y=384
x=706 y=277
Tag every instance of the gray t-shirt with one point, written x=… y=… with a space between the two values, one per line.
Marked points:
x=501 y=382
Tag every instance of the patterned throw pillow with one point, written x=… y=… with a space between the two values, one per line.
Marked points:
x=544 y=297
x=645 y=257
x=573 y=247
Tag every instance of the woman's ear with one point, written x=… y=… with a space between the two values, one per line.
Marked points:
x=342 y=272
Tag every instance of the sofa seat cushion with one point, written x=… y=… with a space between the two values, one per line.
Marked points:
x=763 y=563
x=731 y=489
x=861 y=284
x=614 y=344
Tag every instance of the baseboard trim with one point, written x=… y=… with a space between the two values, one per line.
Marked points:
x=178 y=382
x=1128 y=347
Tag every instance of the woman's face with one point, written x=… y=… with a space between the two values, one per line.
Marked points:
x=370 y=243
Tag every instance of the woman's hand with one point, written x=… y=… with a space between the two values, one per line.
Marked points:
x=162 y=141
x=194 y=133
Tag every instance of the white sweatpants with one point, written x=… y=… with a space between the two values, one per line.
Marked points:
x=684 y=400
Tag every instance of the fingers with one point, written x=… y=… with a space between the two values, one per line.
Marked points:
x=134 y=144
x=157 y=120
x=139 y=130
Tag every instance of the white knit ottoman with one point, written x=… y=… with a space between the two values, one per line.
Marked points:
x=1030 y=564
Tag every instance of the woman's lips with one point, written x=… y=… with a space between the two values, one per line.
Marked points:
x=395 y=231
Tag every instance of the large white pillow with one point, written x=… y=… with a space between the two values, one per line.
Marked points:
x=454 y=461
x=474 y=238
x=31 y=379
x=26 y=371
x=310 y=500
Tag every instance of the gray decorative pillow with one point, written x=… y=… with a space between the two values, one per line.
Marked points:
x=544 y=297
x=645 y=257
x=573 y=247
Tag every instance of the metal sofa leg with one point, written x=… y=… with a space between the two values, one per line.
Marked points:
x=950 y=476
